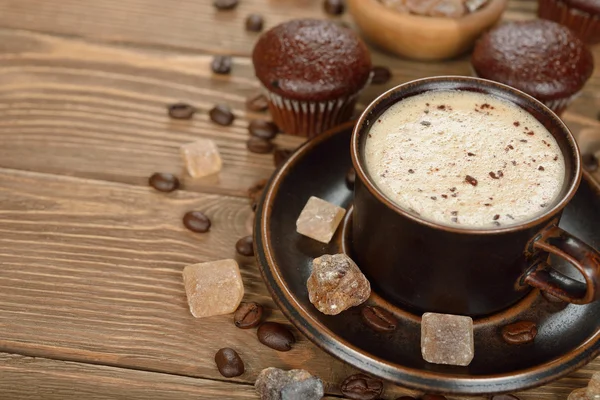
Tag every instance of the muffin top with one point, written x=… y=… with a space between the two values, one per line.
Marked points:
x=590 y=6
x=311 y=60
x=539 y=57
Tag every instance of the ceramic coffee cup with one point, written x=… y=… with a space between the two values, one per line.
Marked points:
x=429 y=267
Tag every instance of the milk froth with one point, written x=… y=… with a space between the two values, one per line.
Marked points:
x=464 y=159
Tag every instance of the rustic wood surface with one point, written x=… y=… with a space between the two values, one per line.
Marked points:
x=91 y=298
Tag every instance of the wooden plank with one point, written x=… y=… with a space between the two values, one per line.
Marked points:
x=95 y=111
x=26 y=378
x=91 y=272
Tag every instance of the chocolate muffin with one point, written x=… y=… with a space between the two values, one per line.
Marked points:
x=540 y=57
x=581 y=16
x=312 y=72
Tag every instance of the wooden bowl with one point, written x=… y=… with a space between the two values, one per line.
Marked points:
x=422 y=37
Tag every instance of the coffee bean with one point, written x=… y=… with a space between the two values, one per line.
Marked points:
x=280 y=156
x=255 y=192
x=163 y=182
x=263 y=129
x=229 y=363
x=221 y=65
x=254 y=23
x=551 y=298
x=221 y=115
x=245 y=246
x=381 y=75
x=275 y=336
x=181 y=111
x=196 y=221
x=225 y=4
x=350 y=178
x=257 y=103
x=248 y=315
x=334 y=7
x=590 y=162
x=260 y=146
x=504 y=397
x=433 y=397
x=361 y=387
x=378 y=319
x=520 y=332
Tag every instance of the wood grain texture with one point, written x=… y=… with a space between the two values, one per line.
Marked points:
x=27 y=378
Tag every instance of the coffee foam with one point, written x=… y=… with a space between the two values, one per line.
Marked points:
x=465 y=159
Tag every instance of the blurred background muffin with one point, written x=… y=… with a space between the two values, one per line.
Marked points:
x=312 y=72
x=581 y=16
x=540 y=57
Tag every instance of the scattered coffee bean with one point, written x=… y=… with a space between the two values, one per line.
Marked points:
x=255 y=192
x=260 y=146
x=433 y=397
x=196 y=221
x=381 y=75
x=181 y=111
x=504 y=397
x=164 y=182
x=378 y=319
x=350 y=178
x=263 y=129
x=248 y=315
x=520 y=332
x=225 y=4
x=257 y=103
x=221 y=114
x=361 y=387
x=254 y=23
x=275 y=336
x=334 y=7
x=245 y=246
x=590 y=162
x=280 y=156
x=551 y=298
x=229 y=363
x=221 y=65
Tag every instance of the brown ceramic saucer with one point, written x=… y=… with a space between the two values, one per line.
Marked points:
x=568 y=338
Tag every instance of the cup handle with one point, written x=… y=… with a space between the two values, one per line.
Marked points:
x=584 y=258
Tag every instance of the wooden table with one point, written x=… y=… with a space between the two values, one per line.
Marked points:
x=92 y=304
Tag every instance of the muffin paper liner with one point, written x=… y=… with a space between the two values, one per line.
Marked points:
x=583 y=24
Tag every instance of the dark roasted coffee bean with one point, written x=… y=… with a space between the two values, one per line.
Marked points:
x=551 y=298
x=520 y=332
x=334 y=7
x=229 y=363
x=196 y=221
x=361 y=387
x=433 y=397
x=181 y=111
x=221 y=65
x=275 y=336
x=280 y=156
x=350 y=178
x=254 y=23
x=378 y=319
x=263 y=129
x=257 y=103
x=248 y=315
x=225 y=4
x=163 y=182
x=590 y=162
x=221 y=114
x=260 y=146
x=504 y=397
x=245 y=246
x=381 y=75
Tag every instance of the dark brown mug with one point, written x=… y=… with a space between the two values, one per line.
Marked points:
x=429 y=267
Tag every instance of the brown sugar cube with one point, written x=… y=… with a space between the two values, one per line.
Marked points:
x=213 y=288
x=447 y=339
x=319 y=219
x=201 y=158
